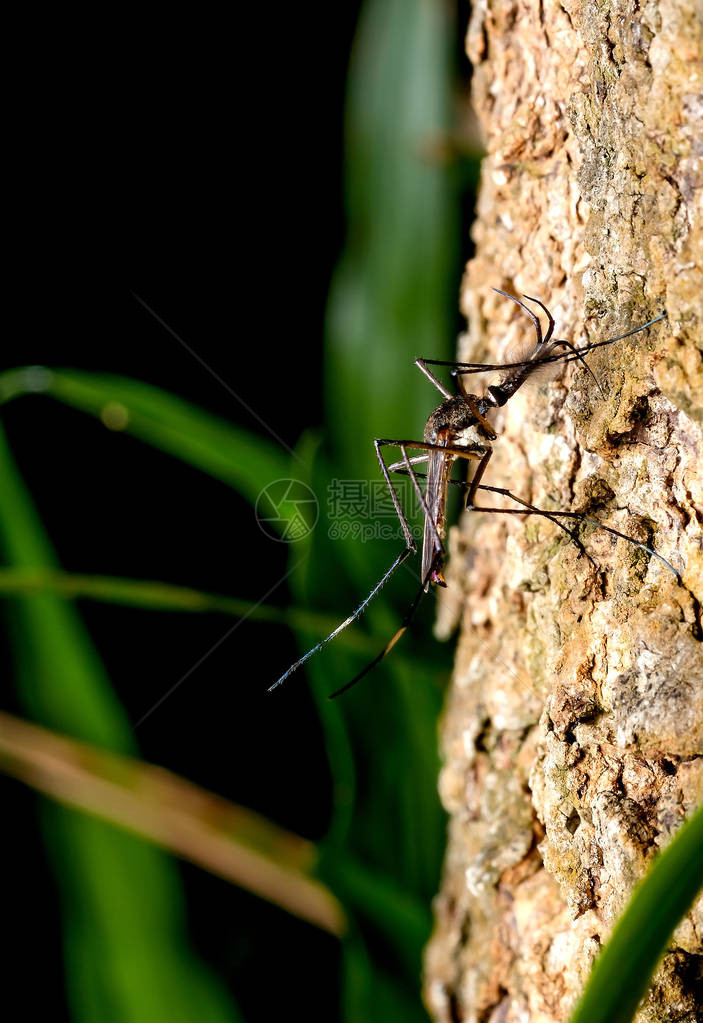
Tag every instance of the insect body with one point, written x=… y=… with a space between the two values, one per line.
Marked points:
x=453 y=426
x=459 y=428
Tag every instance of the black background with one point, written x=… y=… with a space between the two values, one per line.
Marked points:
x=206 y=177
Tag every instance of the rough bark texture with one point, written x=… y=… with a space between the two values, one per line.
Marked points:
x=573 y=733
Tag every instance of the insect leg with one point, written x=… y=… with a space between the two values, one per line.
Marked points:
x=457 y=452
x=477 y=485
x=422 y=366
x=552 y=515
x=583 y=518
x=415 y=460
x=514 y=379
x=407 y=464
x=547 y=515
x=407 y=470
x=565 y=344
x=423 y=445
x=347 y=621
x=411 y=473
x=468 y=398
x=611 y=340
x=505 y=493
x=480 y=469
x=578 y=356
x=378 y=444
x=410 y=548
x=387 y=648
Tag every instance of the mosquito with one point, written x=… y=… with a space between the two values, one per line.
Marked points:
x=459 y=428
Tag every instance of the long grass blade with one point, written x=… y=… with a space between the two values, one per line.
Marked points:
x=235 y=456
x=622 y=972
x=227 y=840
x=111 y=884
x=159 y=596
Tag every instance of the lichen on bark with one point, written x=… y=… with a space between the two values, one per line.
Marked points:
x=573 y=732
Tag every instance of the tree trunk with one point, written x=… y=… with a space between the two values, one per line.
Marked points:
x=573 y=733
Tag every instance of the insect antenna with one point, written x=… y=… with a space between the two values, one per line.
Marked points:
x=563 y=344
x=387 y=648
x=550 y=318
x=533 y=316
x=577 y=354
x=534 y=361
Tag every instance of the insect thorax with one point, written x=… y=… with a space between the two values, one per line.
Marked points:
x=453 y=422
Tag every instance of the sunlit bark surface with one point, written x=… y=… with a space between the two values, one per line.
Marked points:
x=573 y=732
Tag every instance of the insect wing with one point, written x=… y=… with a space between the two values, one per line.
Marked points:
x=439 y=467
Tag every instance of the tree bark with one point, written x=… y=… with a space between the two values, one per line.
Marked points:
x=573 y=732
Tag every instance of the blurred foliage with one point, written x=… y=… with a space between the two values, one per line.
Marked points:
x=393 y=297
x=127 y=956
x=159 y=596
x=231 y=841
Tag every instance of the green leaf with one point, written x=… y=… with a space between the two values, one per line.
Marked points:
x=371 y=991
x=242 y=460
x=159 y=596
x=376 y=898
x=624 y=968
x=393 y=295
x=229 y=840
x=392 y=298
x=124 y=928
